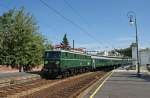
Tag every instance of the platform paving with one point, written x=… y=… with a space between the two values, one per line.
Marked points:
x=124 y=84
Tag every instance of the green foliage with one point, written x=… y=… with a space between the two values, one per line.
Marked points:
x=65 y=42
x=48 y=45
x=21 y=44
x=127 y=52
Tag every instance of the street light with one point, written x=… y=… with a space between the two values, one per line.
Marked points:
x=132 y=19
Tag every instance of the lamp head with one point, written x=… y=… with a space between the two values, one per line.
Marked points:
x=131 y=21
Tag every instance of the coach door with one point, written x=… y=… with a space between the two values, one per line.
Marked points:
x=93 y=64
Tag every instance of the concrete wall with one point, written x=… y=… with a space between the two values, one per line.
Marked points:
x=144 y=57
x=134 y=55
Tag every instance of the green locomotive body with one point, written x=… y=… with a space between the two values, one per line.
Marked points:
x=60 y=62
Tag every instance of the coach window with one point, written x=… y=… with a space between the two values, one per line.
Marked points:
x=78 y=56
x=66 y=54
x=71 y=55
x=75 y=56
x=82 y=56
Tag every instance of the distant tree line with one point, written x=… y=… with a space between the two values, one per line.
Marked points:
x=126 y=52
x=21 y=43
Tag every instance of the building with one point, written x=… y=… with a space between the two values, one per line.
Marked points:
x=134 y=54
x=144 y=55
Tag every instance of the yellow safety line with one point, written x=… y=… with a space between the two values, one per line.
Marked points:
x=100 y=86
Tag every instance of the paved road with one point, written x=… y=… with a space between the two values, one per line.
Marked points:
x=124 y=85
x=15 y=74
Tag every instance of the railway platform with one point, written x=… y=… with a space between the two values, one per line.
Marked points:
x=122 y=84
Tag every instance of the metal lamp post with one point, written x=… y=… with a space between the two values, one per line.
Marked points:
x=132 y=19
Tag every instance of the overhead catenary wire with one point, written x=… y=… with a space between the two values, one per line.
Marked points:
x=70 y=21
x=75 y=11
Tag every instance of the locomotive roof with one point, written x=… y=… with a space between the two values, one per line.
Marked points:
x=92 y=56
x=119 y=57
x=105 y=57
x=109 y=57
x=75 y=52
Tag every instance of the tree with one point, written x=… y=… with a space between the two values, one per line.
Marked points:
x=21 y=44
x=48 y=45
x=65 y=42
x=125 y=52
x=6 y=22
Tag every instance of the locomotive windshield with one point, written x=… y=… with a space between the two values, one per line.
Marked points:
x=52 y=54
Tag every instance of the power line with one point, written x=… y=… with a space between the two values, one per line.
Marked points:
x=70 y=21
x=76 y=12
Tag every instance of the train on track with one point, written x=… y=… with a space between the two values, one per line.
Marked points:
x=62 y=62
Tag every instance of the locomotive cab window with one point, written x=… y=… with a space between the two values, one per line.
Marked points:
x=52 y=54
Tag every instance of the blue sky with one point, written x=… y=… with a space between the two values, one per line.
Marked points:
x=105 y=20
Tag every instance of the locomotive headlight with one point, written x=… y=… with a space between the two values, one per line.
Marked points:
x=57 y=62
x=45 y=62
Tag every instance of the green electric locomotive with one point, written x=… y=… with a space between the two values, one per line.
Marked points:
x=61 y=62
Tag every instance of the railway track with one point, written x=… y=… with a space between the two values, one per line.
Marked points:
x=59 y=88
x=7 y=91
x=70 y=88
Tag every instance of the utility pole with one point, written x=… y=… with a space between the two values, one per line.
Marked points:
x=132 y=16
x=73 y=44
